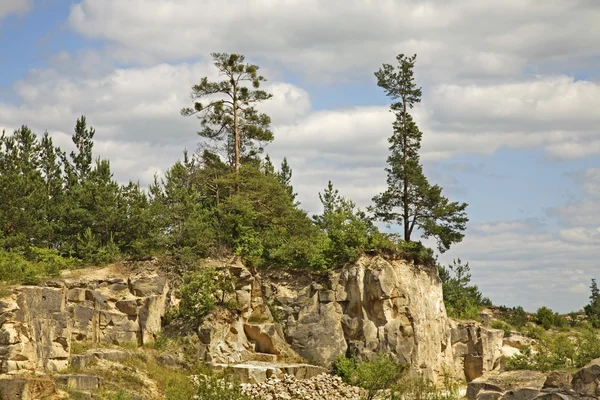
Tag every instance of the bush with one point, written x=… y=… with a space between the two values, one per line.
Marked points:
x=548 y=319
x=416 y=252
x=534 y=331
x=201 y=291
x=374 y=375
x=31 y=265
x=420 y=388
x=462 y=300
x=377 y=374
x=516 y=317
x=219 y=386
x=496 y=324
x=345 y=368
x=558 y=352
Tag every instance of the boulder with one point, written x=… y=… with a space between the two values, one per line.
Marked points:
x=514 y=384
x=522 y=394
x=558 y=380
x=476 y=350
x=586 y=381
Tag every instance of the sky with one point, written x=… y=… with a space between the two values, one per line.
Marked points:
x=510 y=112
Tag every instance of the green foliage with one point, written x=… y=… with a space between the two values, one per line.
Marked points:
x=517 y=317
x=31 y=265
x=219 y=386
x=534 y=331
x=374 y=375
x=462 y=300
x=592 y=309
x=345 y=368
x=410 y=200
x=202 y=290
x=420 y=388
x=349 y=231
x=232 y=121
x=497 y=324
x=557 y=352
x=548 y=318
x=416 y=252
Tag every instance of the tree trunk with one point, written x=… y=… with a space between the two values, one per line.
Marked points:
x=405 y=177
x=236 y=132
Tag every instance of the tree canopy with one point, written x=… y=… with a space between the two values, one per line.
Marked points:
x=229 y=116
x=410 y=200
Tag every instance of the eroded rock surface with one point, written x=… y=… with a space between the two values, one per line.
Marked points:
x=476 y=349
x=39 y=324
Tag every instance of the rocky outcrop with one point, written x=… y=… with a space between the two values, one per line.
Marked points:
x=530 y=385
x=373 y=306
x=476 y=350
x=587 y=380
x=39 y=324
x=511 y=384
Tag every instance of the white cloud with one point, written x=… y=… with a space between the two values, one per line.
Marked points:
x=523 y=263
x=585 y=211
x=8 y=7
x=339 y=39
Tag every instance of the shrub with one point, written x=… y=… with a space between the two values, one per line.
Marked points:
x=345 y=368
x=218 y=386
x=31 y=265
x=534 y=331
x=377 y=374
x=420 y=388
x=548 y=319
x=416 y=252
x=557 y=352
x=517 y=317
x=201 y=291
x=497 y=324
x=462 y=300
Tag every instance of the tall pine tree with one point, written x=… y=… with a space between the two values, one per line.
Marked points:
x=229 y=116
x=410 y=200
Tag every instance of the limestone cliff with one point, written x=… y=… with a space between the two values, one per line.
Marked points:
x=39 y=324
x=281 y=320
x=372 y=306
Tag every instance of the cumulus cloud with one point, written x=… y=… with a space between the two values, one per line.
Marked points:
x=8 y=7
x=522 y=262
x=339 y=38
x=584 y=212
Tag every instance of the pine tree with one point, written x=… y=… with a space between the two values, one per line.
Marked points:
x=592 y=310
x=232 y=120
x=22 y=220
x=83 y=140
x=54 y=183
x=285 y=177
x=410 y=200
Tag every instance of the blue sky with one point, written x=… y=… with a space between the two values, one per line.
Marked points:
x=509 y=111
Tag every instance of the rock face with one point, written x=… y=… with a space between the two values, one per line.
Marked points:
x=587 y=380
x=476 y=349
x=372 y=306
x=39 y=324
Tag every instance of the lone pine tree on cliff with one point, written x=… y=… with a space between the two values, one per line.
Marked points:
x=229 y=116
x=410 y=200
